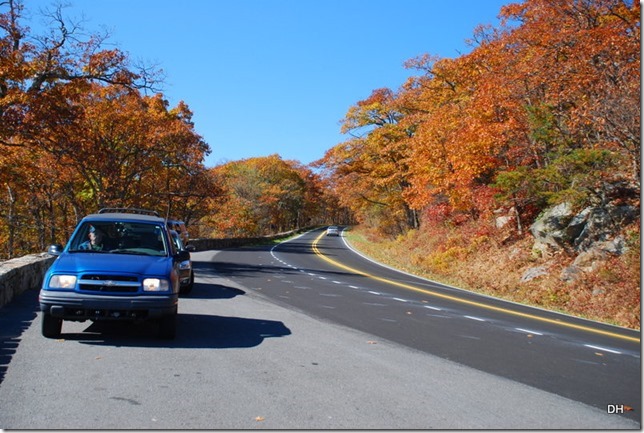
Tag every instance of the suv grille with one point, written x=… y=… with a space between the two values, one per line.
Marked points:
x=109 y=283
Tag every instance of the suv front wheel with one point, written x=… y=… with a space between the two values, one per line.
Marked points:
x=51 y=326
x=168 y=326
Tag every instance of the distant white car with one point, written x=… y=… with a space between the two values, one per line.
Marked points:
x=333 y=231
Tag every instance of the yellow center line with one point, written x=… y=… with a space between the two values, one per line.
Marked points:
x=314 y=246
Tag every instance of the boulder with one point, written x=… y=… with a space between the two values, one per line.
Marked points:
x=549 y=230
x=587 y=261
x=593 y=234
x=602 y=224
x=505 y=217
x=558 y=228
x=533 y=273
x=577 y=224
x=570 y=273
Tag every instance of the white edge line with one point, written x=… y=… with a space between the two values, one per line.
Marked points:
x=527 y=331
x=348 y=245
x=603 y=349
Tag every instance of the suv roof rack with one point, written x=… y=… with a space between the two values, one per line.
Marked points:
x=128 y=210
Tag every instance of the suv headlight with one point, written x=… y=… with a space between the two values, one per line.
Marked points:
x=62 y=282
x=155 y=285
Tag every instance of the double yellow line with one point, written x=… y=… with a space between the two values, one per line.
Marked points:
x=435 y=294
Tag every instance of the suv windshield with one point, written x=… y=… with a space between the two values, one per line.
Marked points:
x=119 y=237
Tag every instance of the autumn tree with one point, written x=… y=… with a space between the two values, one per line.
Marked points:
x=537 y=98
x=263 y=195
x=34 y=67
x=452 y=151
x=544 y=109
x=369 y=171
x=78 y=134
x=576 y=75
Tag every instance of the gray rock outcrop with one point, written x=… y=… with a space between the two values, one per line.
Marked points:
x=592 y=234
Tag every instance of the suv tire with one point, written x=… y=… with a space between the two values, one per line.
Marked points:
x=168 y=326
x=51 y=326
x=188 y=287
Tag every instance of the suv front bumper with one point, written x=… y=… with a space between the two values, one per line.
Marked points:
x=80 y=307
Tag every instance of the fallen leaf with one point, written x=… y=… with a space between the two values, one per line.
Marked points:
x=628 y=408
x=98 y=357
x=259 y=418
x=599 y=354
x=372 y=342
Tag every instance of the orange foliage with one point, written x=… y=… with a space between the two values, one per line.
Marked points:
x=77 y=134
x=556 y=76
x=265 y=195
x=369 y=171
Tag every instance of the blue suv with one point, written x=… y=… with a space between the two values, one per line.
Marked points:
x=119 y=265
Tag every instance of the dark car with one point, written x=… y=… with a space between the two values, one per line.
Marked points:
x=119 y=265
x=180 y=228
x=186 y=273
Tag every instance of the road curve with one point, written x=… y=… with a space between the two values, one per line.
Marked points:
x=586 y=361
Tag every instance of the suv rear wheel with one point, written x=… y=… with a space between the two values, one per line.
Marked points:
x=188 y=287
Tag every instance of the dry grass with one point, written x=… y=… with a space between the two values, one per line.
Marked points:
x=474 y=258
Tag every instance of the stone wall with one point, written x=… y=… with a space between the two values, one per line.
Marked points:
x=22 y=273
x=217 y=244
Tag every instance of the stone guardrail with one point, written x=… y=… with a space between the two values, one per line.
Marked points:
x=21 y=274
x=217 y=244
x=27 y=272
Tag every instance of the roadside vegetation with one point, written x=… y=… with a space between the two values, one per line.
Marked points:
x=484 y=264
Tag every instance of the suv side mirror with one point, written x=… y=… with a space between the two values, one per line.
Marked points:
x=190 y=248
x=182 y=256
x=55 y=250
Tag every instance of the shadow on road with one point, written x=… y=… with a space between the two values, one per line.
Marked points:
x=213 y=291
x=15 y=318
x=299 y=247
x=242 y=270
x=194 y=331
x=229 y=269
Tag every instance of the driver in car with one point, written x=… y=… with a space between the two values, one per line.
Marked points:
x=95 y=242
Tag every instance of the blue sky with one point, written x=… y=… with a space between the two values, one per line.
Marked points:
x=277 y=76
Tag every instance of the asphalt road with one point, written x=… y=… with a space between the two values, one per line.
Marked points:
x=285 y=339
x=586 y=361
